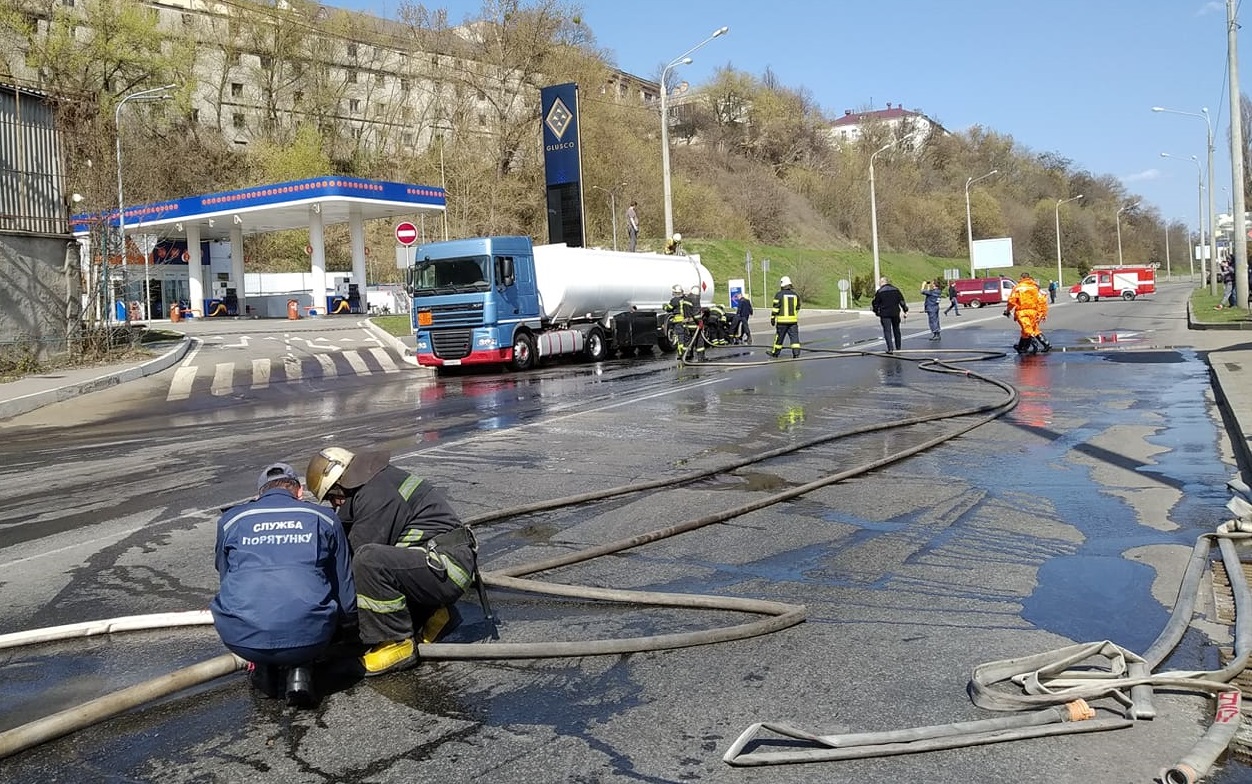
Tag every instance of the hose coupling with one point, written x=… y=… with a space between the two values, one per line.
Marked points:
x=1079 y=710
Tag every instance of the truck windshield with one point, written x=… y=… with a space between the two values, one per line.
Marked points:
x=450 y=276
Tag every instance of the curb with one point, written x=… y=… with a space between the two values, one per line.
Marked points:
x=405 y=351
x=26 y=403
x=1203 y=325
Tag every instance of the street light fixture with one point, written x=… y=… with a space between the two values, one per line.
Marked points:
x=612 y=206
x=681 y=59
x=1120 y=210
x=1199 y=202
x=969 y=223
x=155 y=94
x=873 y=209
x=1212 y=255
x=1059 y=202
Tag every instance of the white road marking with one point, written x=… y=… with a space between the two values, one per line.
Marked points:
x=358 y=364
x=384 y=359
x=328 y=366
x=223 y=378
x=180 y=387
x=243 y=343
x=260 y=373
x=293 y=368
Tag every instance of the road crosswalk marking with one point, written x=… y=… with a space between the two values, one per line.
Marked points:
x=180 y=387
x=384 y=360
x=260 y=373
x=358 y=365
x=264 y=373
x=223 y=379
x=328 y=366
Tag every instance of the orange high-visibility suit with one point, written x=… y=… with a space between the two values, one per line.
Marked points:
x=1029 y=307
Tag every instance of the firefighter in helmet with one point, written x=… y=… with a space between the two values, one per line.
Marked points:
x=1029 y=307
x=412 y=558
x=784 y=316
x=682 y=315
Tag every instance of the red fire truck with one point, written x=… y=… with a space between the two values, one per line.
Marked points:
x=1125 y=281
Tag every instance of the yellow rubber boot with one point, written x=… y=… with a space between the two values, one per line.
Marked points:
x=435 y=624
x=389 y=657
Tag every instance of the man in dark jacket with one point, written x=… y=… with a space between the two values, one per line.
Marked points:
x=740 y=328
x=411 y=555
x=889 y=306
x=286 y=584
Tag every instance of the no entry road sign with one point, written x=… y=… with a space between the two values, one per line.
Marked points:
x=406 y=233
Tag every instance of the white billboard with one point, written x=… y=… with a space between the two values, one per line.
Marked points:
x=992 y=254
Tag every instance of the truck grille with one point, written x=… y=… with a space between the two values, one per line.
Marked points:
x=451 y=344
x=467 y=314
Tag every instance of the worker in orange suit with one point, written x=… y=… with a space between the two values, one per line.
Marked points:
x=1029 y=307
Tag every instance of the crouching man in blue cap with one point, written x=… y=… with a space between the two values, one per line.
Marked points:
x=286 y=584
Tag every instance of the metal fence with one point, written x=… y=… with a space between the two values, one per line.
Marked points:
x=31 y=170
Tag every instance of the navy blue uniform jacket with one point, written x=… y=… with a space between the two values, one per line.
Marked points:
x=286 y=579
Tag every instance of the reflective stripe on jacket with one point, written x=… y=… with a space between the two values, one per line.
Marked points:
x=786 y=309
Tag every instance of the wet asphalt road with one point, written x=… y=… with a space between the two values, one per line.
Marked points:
x=1068 y=519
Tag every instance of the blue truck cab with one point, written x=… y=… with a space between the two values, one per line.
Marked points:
x=469 y=297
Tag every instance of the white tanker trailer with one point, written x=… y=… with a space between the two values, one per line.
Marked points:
x=502 y=300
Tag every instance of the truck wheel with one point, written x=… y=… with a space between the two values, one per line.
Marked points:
x=976 y=304
x=1084 y=296
x=1128 y=295
x=668 y=340
x=523 y=352
x=596 y=346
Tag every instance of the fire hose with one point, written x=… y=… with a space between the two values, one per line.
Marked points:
x=1067 y=711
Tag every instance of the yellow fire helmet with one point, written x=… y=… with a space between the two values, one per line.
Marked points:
x=325 y=469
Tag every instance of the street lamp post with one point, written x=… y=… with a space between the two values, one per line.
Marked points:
x=1059 y=202
x=873 y=209
x=612 y=206
x=969 y=221
x=1199 y=203
x=155 y=94
x=1212 y=254
x=1120 y=210
x=681 y=59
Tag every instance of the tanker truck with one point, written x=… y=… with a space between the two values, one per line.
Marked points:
x=504 y=301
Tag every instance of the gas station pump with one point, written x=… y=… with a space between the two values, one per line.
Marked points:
x=225 y=299
x=346 y=299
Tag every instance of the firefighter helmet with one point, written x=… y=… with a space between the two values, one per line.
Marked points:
x=678 y=237
x=785 y=281
x=676 y=290
x=325 y=470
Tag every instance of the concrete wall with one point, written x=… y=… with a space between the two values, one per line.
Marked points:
x=33 y=291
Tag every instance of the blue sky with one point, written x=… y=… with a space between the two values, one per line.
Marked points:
x=1075 y=77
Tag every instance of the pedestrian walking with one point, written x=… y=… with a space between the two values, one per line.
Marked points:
x=889 y=306
x=930 y=303
x=1052 y=288
x=632 y=226
x=953 y=305
x=784 y=316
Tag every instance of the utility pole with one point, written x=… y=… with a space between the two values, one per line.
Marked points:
x=1240 y=240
